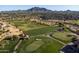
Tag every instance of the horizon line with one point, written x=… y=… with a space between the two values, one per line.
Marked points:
x=49 y=7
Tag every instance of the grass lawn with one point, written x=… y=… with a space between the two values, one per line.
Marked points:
x=75 y=22
x=49 y=46
x=63 y=36
x=33 y=46
x=36 y=31
x=8 y=45
x=42 y=46
x=25 y=25
x=43 y=30
x=30 y=26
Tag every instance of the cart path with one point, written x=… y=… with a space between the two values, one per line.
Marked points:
x=17 y=45
x=51 y=38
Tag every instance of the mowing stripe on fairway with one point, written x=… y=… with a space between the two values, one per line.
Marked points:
x=35 y=45
x=52 y=38
x=57 y=40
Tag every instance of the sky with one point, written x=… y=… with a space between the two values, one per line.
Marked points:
x=51 y=7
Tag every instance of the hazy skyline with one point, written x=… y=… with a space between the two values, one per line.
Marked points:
x=51 y=7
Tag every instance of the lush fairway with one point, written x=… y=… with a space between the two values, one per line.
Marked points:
x=43 y=44
x=33 y=46
x=63 y=36
x=43 y=30
x=40 y=39
x=25 y=25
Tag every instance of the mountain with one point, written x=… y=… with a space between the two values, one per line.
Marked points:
x=31 y=10
x=43 y=13
x=38 y=9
